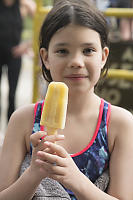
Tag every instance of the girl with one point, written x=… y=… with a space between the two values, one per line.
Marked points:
x=97 y=135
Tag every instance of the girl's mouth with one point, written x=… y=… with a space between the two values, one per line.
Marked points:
x=76 y=77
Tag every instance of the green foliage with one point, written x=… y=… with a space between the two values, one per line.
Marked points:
x=28 y=22
x=47 y=2
x=28 y=28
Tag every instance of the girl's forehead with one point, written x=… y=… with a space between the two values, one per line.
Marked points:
x=70 y=28
x=71 y=33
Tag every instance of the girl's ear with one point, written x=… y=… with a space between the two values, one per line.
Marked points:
x=105 y=54
x=44 y=57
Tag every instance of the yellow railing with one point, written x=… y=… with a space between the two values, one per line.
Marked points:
x=41 y=12
x=119 y=12
x=120 y=74
x=39 y=16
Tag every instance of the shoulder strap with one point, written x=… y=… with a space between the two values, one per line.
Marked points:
x=37 y=116
x=106 y=114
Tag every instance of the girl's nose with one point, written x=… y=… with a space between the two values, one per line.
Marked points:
x=76 y=61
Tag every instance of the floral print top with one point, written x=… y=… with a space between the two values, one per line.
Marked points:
x=94 y=158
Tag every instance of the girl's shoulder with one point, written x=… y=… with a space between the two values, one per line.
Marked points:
x=24 y=114
x=21 y=123
x=120 y=115
x=120 y=124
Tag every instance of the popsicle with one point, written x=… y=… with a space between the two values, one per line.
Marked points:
x=55 y=107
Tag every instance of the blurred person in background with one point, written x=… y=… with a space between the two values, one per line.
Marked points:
x=125 y=24
x=12 y=13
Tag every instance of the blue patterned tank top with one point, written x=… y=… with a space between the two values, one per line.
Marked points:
x=94 y=158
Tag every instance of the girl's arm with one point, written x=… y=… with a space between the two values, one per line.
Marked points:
x=61 y=167
x=12 y=154
x=15 y=147
x=121 y=162
x=120 y=137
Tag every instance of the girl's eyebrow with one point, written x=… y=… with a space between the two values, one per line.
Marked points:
x=88 y=44
x=61 y=44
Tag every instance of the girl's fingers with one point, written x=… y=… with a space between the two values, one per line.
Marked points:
x=52 y=169
x=57 y=158
x=54 y=138
x=50 y=158
x=39 y=136
x=36 y=137
x=39 y=139
x=60 y=151
x=47 y=150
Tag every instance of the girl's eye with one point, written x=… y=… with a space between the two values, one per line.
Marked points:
x=61 y=51
x=88 y=51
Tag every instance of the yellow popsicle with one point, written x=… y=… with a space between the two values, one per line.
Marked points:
x=55 y=107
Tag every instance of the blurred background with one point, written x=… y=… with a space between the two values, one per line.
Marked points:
x=117 y=87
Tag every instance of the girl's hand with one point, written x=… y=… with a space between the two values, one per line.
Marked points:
x=58 y=165
x=38 y=145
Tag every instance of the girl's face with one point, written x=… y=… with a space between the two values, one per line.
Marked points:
x=75 y=57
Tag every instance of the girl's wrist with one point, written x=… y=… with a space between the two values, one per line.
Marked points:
x=80 y=179
x=86 y=190
x=80 y=189
x=36 y=177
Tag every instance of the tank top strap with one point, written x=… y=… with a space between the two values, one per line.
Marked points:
x=105 y=115
x=37 y=116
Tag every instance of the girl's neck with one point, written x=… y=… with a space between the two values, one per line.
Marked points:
x=81 y=104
